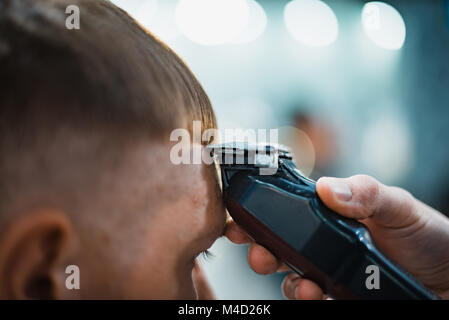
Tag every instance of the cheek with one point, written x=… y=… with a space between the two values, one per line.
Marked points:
x=163 y=268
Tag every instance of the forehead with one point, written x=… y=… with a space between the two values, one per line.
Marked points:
x=176 y=180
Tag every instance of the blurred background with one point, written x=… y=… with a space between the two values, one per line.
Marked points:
x=353 y=87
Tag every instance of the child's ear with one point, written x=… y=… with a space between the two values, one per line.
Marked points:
x=33 y=251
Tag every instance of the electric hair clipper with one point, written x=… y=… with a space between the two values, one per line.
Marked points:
x=279 y=208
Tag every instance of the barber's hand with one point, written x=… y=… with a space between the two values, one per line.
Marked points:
x=405 y=229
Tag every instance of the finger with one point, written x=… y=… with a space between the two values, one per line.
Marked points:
x=283 y=268
x=294 y=287
x=308 y=290
x=261 y=260
x=362 y=197
x=289 y=284
x=236 y=234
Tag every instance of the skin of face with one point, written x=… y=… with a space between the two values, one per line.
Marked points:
x=134 y=234
x=186 y=224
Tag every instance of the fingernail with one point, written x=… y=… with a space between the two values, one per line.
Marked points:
x=340 y=188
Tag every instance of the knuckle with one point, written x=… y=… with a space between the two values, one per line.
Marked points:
x=407 y=196
x=404 y=197
x=367 y=192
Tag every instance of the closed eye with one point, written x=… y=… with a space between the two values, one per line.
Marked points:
x=207 y=255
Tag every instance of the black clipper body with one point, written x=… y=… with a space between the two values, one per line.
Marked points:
x=278 y=207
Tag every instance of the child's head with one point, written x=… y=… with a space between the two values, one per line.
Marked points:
x=85 y=174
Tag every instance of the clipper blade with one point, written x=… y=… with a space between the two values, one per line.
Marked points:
x=260 y=155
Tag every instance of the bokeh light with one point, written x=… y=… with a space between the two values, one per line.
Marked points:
x=257 y=23
x=212 y=22
x=311 y=22
x=159 y=18
x=301 y=147
x=384 y=25
x=141 y=10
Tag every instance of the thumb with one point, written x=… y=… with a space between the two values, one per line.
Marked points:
x=361 y=197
